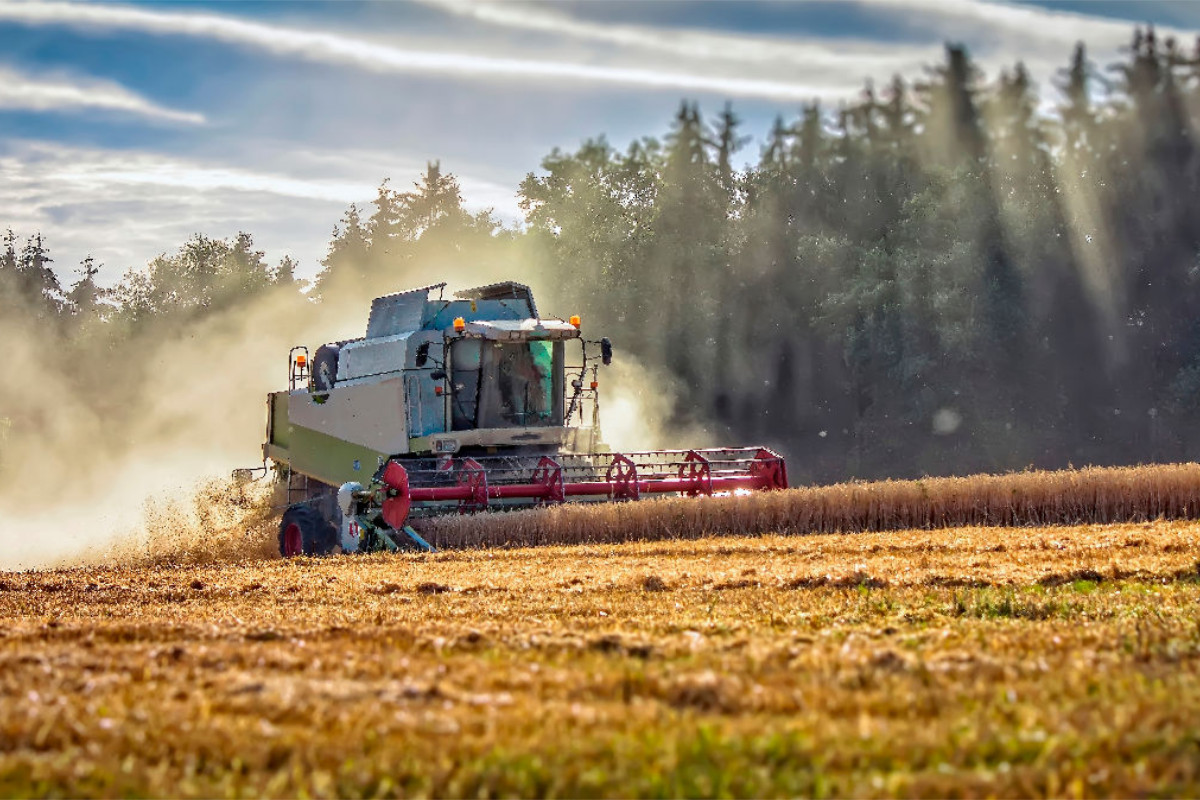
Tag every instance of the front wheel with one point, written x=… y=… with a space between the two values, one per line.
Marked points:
x=304 y=532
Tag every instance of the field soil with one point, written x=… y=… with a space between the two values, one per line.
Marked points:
x=957 y=662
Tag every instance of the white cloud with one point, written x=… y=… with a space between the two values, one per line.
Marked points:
x=1002 y=33
x=803 y=53
x=124 y=207
x=23 y=92
x=998 y=34
x=365 y=54
x=990 y=24
x=1016 y=25
x=95 y=171
x=776 y=67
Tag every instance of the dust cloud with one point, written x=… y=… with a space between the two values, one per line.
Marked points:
x=638 y=410
x=121 y=450
x=93 y=461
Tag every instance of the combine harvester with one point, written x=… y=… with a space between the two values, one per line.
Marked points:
x=461 y=405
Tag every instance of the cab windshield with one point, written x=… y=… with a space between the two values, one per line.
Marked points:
x=524 y=384
x=507 y=384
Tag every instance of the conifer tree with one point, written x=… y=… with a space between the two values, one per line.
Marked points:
x=37 y=284
x=387 y=231
x=347 y=263
x=726 y=141
x=9 y=280
x=284 y=274
x=692 y=210
x=85 y=298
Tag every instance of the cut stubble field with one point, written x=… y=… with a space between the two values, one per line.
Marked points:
x=967 y=661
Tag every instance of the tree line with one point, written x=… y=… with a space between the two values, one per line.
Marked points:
x=946 y=275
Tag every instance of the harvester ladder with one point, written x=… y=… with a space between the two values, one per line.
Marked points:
x=299 y=487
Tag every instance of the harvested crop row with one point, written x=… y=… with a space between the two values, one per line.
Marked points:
x=966 y=662
x=1095 y=495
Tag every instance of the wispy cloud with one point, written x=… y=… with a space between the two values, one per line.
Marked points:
x=99 y=171
x=23 y=92
x=365 y=54
x=126 y=207
x=999 y=34
x=792 y=68
x=1010 y=22
x=803 y=53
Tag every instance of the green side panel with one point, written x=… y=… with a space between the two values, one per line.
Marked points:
x=278 y=429
x=316 y=454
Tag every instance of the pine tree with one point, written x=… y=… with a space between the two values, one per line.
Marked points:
x=85 y=298
x=727 y=142
x=284 y=274
x=436 y=202
x=388 y=232
x=243 y=272
x=347 y=263
x=775 y=152
x=1076 y=113
x=9 y=280
x=809 y=138
x=897 y=115
x=37 y=284
x=689 y=229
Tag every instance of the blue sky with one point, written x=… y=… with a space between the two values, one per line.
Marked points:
x=125 y=128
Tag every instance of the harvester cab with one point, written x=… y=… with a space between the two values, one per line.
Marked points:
x=460 y=404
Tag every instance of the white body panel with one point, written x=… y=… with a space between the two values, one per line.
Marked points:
x=350 y=534
x=367 y=414
x=372 y=357
x=518 y=330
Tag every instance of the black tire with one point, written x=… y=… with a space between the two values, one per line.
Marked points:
x=325 y=367
x=304 y=529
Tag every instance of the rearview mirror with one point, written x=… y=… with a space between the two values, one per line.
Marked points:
x=606 y=351
x=438 y=374
x=422 y=354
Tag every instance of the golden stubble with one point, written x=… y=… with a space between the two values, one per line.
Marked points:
x=966 y=662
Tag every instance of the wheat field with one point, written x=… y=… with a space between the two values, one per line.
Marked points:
x=971 y=662
x=1092 y=495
